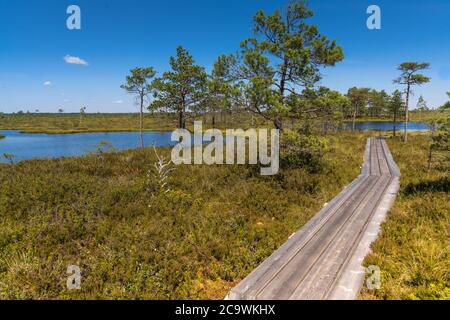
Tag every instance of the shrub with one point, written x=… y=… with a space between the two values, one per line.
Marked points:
x=299 y=150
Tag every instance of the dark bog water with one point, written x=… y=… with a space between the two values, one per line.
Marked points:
x=389 y=126
x=25 y=146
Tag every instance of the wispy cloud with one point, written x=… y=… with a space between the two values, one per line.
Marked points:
x=47 y=83
x=75 y=60
x=118 y=101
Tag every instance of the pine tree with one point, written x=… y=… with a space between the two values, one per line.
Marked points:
x=409 y=78
x=182 y=89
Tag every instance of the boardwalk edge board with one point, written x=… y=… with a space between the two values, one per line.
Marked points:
x=353 y=275
x=362 y=205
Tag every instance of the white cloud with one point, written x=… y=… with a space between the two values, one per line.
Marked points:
x=118 y=101
x=47 y=83
x=75 y=60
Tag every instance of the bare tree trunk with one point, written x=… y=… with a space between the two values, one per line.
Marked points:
x=141 y=120
x=395 y=123
x=278 y=124
x=181 y=119
x=407 y=112
x=284 y=69
x=354 y=120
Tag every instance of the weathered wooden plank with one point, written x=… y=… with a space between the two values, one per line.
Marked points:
x=383 y=165
x=327 y=270
x=374 y=161
x=283 y=286
x=394 y=170
x=265 y=271
x=365 y=170
x=313 y=262
x=348 y=285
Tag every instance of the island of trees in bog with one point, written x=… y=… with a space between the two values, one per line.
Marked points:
x=140 y=228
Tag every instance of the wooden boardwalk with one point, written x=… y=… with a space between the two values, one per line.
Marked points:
x=323 y=260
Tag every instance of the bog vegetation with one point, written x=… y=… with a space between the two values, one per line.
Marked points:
x=140 y=229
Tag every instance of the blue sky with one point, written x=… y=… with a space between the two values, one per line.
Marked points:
x=119 y=35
